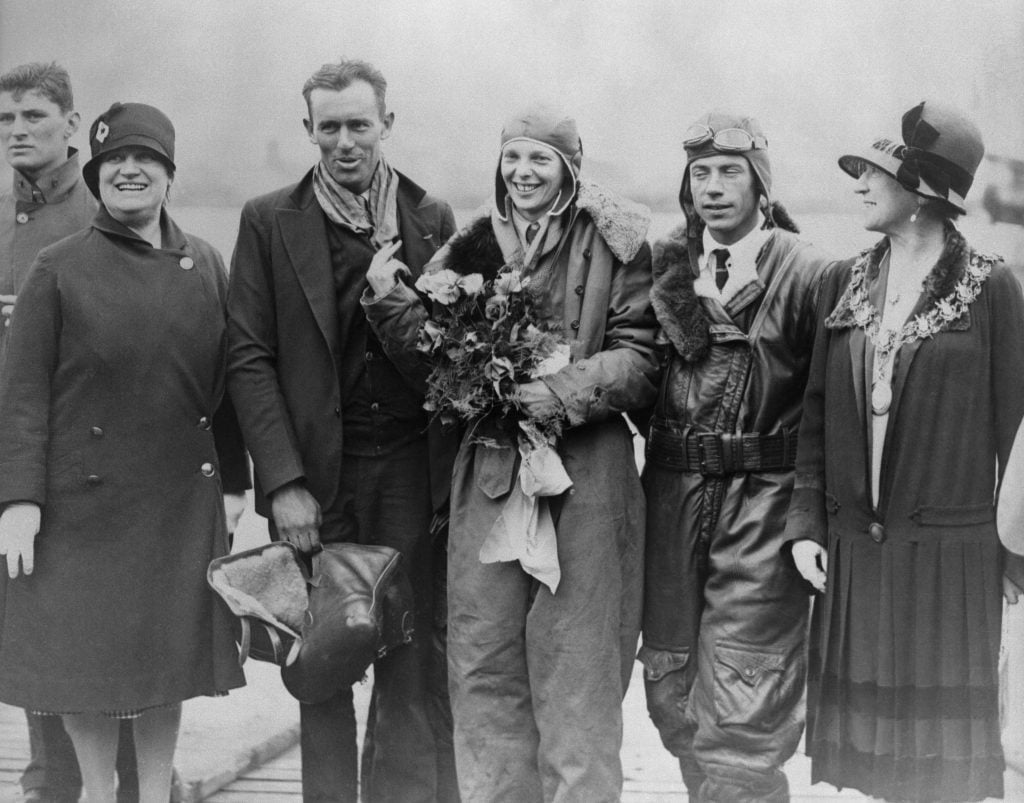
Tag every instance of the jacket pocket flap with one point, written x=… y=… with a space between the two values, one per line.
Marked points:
x=956 y=516
x=658 y=663
x=495 y=469
x=749 y=666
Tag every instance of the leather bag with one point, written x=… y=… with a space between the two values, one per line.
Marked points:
x=322 y=626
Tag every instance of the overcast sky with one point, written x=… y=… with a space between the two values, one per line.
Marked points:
x=823 y=76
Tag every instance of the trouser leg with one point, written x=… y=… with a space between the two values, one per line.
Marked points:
x=496 y=737
x=386 y=501
x=748 y=705
x=752 y=666
x=439 y=701
x=580 y=641
x=328 y=747
x=52 y=764
x=676 y=570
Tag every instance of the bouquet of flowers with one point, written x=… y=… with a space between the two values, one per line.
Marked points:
x=485 y=337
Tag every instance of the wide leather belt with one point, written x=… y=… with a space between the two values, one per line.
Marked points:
x=718 y=454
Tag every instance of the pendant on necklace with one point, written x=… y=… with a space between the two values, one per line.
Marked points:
x=881 y=397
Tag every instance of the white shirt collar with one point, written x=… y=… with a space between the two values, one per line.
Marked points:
x=742 y=264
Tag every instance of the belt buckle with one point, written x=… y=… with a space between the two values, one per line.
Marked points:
x=709 y=452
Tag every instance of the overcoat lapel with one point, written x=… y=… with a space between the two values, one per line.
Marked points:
x=904 y=359
x=304 y=234
x=858 y=365
x=418 y=241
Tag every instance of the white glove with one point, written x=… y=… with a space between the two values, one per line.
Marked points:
x=811 y=561
x=19 y=525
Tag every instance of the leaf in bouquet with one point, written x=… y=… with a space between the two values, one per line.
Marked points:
x=498 y=367
x=430 y=336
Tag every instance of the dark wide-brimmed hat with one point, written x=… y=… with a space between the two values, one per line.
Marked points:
x=940 y=153
x=126 y=125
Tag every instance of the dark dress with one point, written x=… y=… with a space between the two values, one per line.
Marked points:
x=112 y=422
x=904 y=681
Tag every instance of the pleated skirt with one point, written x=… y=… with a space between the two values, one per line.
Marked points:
x=903 y=698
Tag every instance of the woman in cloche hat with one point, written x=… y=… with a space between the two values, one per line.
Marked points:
x=118 y=455
x=915 y=394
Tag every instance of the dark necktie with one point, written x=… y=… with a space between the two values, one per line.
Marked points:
x=721 y=271
x=531 y=232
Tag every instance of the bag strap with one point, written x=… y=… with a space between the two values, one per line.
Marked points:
x=246 y=643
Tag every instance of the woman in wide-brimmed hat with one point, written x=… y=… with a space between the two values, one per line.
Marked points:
x=916 y=391
x=117 y=461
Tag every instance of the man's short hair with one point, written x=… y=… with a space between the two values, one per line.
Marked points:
x=50 y=80
x=337 y=77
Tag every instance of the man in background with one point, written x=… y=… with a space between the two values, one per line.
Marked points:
x=48 y=201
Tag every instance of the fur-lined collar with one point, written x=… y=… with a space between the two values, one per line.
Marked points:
x=476 y=250
x=957 y=262
x=621 y=223
x=679 y=309
x=676 y=303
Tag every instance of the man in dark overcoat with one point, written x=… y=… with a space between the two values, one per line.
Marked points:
x=48 y=201
x=339 y=440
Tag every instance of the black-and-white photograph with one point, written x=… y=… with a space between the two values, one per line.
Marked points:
x=546 y=401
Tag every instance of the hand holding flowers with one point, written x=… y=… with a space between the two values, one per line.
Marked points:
x=488 y=344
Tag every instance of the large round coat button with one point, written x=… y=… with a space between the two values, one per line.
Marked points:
x=203 y=422
x=206 y=469
x=22 y=217
x=877 y=532
x=93 y=480
x=96 y=432
x=575 y=324
x=579 y=289
x=187 y=263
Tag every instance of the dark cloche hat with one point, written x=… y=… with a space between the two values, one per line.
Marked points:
x=128 y=125
x=940 y=153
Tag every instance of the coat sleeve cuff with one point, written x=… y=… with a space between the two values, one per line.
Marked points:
x=807 y=518
x=1013 y=568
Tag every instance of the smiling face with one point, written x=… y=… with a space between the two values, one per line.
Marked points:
x=34 y=132
x=725 y=195
x=133 y=185
x=887 y=205
x=347 y=127
x=533 y=175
